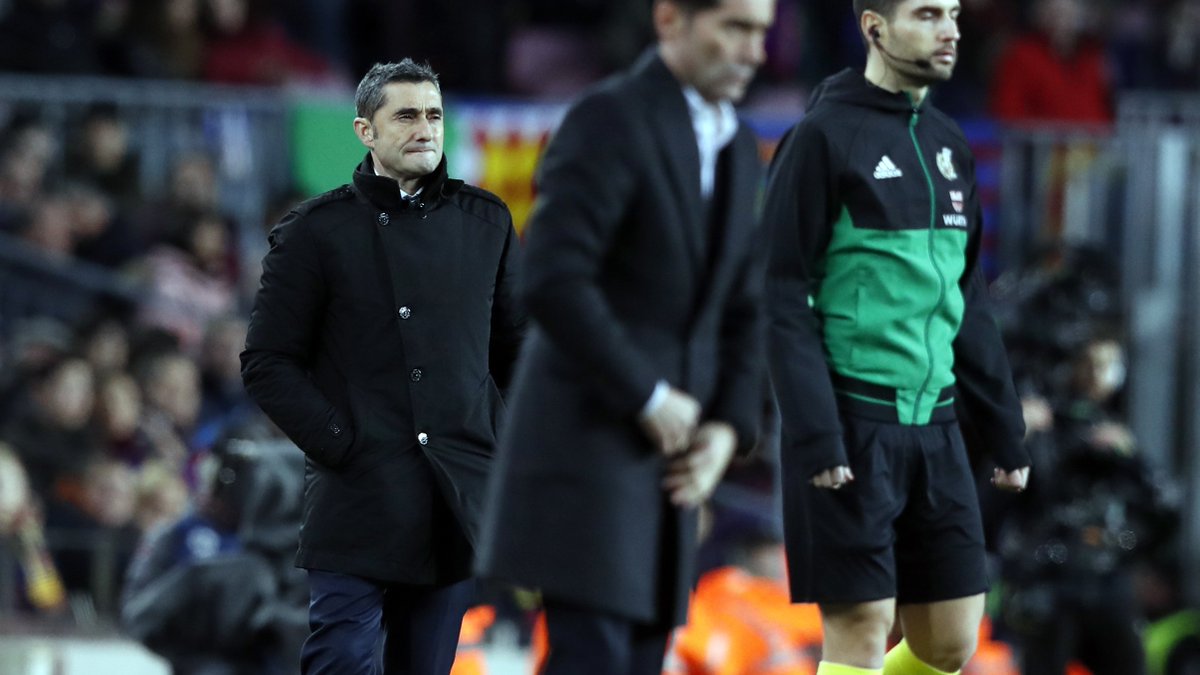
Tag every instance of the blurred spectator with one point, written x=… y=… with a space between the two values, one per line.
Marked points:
x=93 y=524
x=27 y=148
x=193 y=185
x=247 y=46
x=167 y=38
x=21 y=527
x=322 y=25
x=468 y=55
x=1181 y=48
x=161 y=497
x=110 y=20
x=1164 y=53
x=106 y=495
x=101 y=156
x=49 y=228
x=225 y=404
x=119 y=420
x=193 y=188
x=37 y=342
x=552 y=50
x=49 y=426
x=49 y=36
x=189 y=279
x=170 y=384
x=105 y=344
x=98 y=233
x=1056 y=72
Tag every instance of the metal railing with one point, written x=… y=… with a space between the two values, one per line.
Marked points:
x=34 y=284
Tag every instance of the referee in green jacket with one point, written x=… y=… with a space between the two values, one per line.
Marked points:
x=881 y=343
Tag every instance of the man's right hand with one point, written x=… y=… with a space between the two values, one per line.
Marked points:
x=832 y=479
x=671 y=424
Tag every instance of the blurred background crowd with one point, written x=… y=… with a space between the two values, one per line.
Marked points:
x=550 y=48
x=142 y=494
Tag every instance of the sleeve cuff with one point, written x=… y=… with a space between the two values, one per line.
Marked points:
x=661 y=390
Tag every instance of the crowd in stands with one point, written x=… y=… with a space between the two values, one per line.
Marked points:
x=108 y=418
x=1018 y=60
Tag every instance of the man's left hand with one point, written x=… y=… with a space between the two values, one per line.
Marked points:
x=692 y=476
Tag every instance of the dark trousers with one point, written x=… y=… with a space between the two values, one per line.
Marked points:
x=349 y=617
x=589 y=642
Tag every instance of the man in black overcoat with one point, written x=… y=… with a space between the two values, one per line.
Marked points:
x=643 y=375
x=383 y=332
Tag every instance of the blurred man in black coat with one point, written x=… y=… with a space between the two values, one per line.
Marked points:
x=644 y=375
x=382 y=333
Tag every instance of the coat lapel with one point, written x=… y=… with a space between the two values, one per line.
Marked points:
x=677 y=147
x=737 y=178
x=741 y=185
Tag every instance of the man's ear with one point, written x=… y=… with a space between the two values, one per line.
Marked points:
x=667 y=19
x=365 y=131
x=871 y=23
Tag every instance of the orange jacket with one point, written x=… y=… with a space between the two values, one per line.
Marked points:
x=470 y=659
x=740 y=624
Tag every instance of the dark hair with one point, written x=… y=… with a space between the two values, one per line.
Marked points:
x=884 y=8
x=369 y=97
x=693 y=6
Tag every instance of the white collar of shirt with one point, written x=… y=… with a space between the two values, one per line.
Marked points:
x=403 y=195
x=715 y=125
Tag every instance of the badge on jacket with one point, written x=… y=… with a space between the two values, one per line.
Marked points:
x=945 y=162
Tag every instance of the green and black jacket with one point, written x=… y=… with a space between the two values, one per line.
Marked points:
x=875 y=290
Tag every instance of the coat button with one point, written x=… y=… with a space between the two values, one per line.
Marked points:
x=415 y=375
x=335 y=430
x=423 y=438
x=383 y=218
x=405 y=312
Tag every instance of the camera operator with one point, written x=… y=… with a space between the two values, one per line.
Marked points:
x=1068 y=549
x=208 y=592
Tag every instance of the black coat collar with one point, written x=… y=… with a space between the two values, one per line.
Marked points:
x=384 y=192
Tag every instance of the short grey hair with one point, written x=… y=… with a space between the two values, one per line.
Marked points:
x=369 y=97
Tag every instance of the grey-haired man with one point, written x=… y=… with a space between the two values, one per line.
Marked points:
x=383 y=331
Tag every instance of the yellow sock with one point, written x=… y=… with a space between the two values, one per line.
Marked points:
x=901 y=661
x=827 y=668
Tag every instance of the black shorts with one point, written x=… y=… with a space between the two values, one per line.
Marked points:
x=908 y=527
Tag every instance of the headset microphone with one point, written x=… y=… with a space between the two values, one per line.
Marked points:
x=923 y=64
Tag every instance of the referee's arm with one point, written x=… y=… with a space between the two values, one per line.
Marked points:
x=798 y=211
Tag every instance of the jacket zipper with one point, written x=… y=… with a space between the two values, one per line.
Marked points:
x=912 y=132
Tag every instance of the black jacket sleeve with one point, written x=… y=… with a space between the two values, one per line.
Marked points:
x=800 y=209
x=508 y=316
x=585 y=184
x=283 y=328
x=986 y=398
